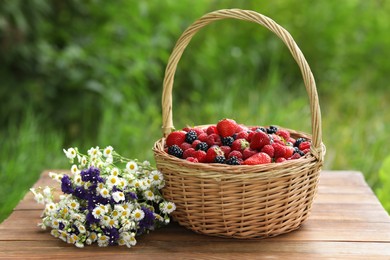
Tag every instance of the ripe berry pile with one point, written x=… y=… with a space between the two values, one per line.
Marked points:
x=230 y=143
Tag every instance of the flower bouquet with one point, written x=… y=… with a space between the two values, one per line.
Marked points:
x=106 y=199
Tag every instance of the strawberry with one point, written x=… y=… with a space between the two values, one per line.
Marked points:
x=184 y=146
x=213 y=152
x=304 y=145
x=248 y=152
x=268 y=149
x=176 y=137
x=200 y=156
x=241 y=128
x=213 y=139
x=259 y=139
x=258 y=158
x=235 y=153
x=226 y=127
x=190 y=152
x=279 y=150
x=192 y=159
x=226 y=150
x=283 y=133
x=250 y=135
x=280 y=159
x=242 y=135
x=240 y=144
x=289 y=152
x=211 y=130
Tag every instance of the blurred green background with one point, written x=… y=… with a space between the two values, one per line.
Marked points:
x=87 y=73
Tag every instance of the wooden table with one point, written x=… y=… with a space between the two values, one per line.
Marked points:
x=347 y=221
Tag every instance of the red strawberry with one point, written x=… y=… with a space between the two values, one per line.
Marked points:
x=176 y=137
x=190 y=152
x=226 y=127
x=280 y=159
x=200 y=156
x=213 y=139
x=242 y=135
x=203 y=137
x=268 y=149
x=279 y=150
x=283 y=133
x=258 y=158
x=241 y=128
x=237 y=154
x=289 y=152
x=184 y=146
x=195 y=143
x=213 y=152
x=226 y=150
x=248 y=152
x=304 y=145
x=240 y=144
x=250 y=135
x=192 y=159
x=211 y=130
x=259 y=139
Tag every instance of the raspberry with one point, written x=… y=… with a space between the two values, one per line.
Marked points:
x=242 y=135
x=226 y=150
x=190 y=152
x=192 y=159
x=213 y=139
x=236 y=154
x=211 y=130
x=280 y=159
x=304 y=145
x=185 y=146
x=191 y=136
x=202 y=137
x=283 y=133
x=200 y=156
x=175 y=150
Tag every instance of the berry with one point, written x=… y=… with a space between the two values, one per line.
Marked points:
x=192 y=159
x=258 y=158
x=236 y=154
x=191 y=136
x=176 y=138
x=211 y=130
x=296 y=150
x=248 y=152
x=289 y=151
x=259 y=139
x=228 y=141
x=219 y=159
x=240 y=144
x=213 y=139
x=226 y=150
x=175 y=151
x=291 y=140
x=283 y=133
x=200 y=155
x=299 y=141
x=272 y=129
x=190 y=152
x=185 y=146
x=198 y=131
x=306 y=151
x=233 y=161
x=268 y=149
x=304 y=145
x=279 y=150
x=226 y=127
x=213 y=152
x=202 y=137
x=202 y=146
x=295 y=156
x=280 y=159
x=242 y=135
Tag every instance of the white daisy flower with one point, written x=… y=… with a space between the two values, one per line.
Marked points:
x=115 y=214
x=167 y=207
x=79 y=245
x=74 y=205
x=94 y=152
x=132 y=240
x=112 y=181
x=108 y=151
x=55 y=176
x=138 y=214
x=98 y=212
x=118 y=196
x=47 y=192
x=146 y=164
x=105 y=193
x=149 y=195
x=50 y=207
x=115 y=171
x=70 y=153
x=74 y=169
x=122 y=183
x=83 y=161
x=55 y=233
x=39 y=198
x=103 y=241
x=77 y=179
x=100 y=186
x=131 y=167
x=55 y=223
x=156 y=177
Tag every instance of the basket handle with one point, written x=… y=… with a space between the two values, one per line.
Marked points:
x=247 y=15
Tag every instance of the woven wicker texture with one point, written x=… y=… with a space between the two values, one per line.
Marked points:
x=243 y=201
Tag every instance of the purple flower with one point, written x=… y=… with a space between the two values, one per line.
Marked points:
x=66 y=185
x=80 y=193
x=92 y=174
x=91 y=219
x=61 y=226
x=130 y=196
x=147 y=222
x=113 y=235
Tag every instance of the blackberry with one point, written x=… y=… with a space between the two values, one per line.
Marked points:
x=175 y=150
x=219 y=159
x=299 y=141
x=191 y=136
x=202 y=146
x=228 y=141
x=233 y=161
x=272 y=129
x=262 y=129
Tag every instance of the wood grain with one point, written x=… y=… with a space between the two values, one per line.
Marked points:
x=346 y=222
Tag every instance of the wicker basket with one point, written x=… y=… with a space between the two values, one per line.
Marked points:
x=241 y=201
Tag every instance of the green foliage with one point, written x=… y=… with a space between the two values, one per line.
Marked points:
x=93 y=71
x=384 y=191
